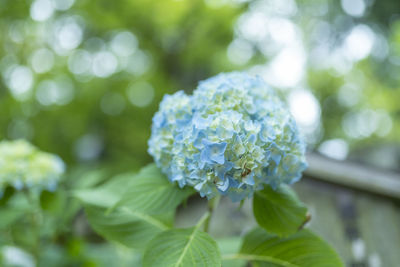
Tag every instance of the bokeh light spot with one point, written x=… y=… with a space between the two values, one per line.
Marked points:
x=358 y=43
x=140 y=94
x=20 y=81
x=240 y=52
x=334 y=148
x=305 y=108
x=349 y=95
x=69 y=34
x=104 y=64
x=41 y=10
x=138 y=64
x=55 y=92
x=88 y=147
x=287 y=68
x=80 y=62
x=63 y=4
x=124 y=44
x=42 y=60
x=355 y=8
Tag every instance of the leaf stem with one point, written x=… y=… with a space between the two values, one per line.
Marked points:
x=203 y=220
x=250 y=257
x=212 y=205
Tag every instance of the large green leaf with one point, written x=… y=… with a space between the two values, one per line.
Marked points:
x=151 y=192
x=133 y=229
x=182 y=248
x=279 y=211
x=230 y=245
x=303 y=249
x=92 y=176
x=106 y=195
x=132 y=208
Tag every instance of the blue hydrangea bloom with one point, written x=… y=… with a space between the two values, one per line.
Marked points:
x=231 y=137
x=24 y=166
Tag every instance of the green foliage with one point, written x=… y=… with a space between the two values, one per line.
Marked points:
x=6 y=195
x=131 y=209
x=173 y=42
x=279 y=211
x=303 y=249
x=52 y=202
x=105 y=195
x=132 y=229
x=230 y=246
x=182 y=247
x=151 y=192
x=137 y=210
x=9 y=216
x=185 y=41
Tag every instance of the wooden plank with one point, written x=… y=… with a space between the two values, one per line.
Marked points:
x=326 y=221
x=353 y=175
x=363 y=228
x=379 y=222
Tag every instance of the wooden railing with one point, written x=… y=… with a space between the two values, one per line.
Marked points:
x=353 y=175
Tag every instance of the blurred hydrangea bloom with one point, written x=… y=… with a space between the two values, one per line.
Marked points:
x=231 y=137
x=24 y=166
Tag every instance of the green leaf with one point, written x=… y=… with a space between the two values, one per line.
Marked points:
x=106 y=195
x=279 y=211
x=52 y=202
x=92 y=176
x=150 y=191
x=132 y=208
x=132 y=229
x=126 y=226
x=303 y=249
x=230 y=245
x=181 y=248
x=6 y=195
x=9 y=216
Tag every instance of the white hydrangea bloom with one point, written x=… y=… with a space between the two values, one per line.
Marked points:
x=24 y=166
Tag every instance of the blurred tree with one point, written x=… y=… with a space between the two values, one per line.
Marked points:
x=83 y=78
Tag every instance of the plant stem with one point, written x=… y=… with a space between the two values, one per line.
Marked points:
x=203 y=219
x=212 y=205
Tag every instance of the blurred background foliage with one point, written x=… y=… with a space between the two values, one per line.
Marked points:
x=82 y=79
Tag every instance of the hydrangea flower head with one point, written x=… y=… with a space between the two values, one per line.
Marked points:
x=23 y=166
x=233 y=136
